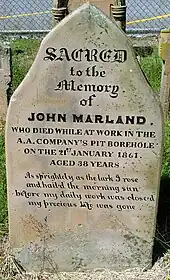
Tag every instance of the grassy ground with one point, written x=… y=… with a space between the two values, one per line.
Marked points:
x=23 y=53
x=151 y=66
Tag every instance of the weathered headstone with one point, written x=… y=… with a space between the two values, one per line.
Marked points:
x=83 y=139
x=5 y=79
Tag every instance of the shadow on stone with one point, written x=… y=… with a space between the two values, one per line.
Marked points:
x=162 y=238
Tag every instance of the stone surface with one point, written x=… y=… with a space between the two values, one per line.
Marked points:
x=103 y=5
x=5 y=79
x=84 y=142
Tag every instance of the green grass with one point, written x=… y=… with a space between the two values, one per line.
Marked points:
x=23 y=54
x=152 y=68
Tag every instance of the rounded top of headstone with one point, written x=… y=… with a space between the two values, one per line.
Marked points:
x=90 y=13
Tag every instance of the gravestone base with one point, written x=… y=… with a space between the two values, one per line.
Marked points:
x=70 y=255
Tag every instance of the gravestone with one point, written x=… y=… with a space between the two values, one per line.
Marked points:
x=83 y=147
x=5 y=79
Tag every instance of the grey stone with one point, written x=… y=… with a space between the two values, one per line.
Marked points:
x=84 y=148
